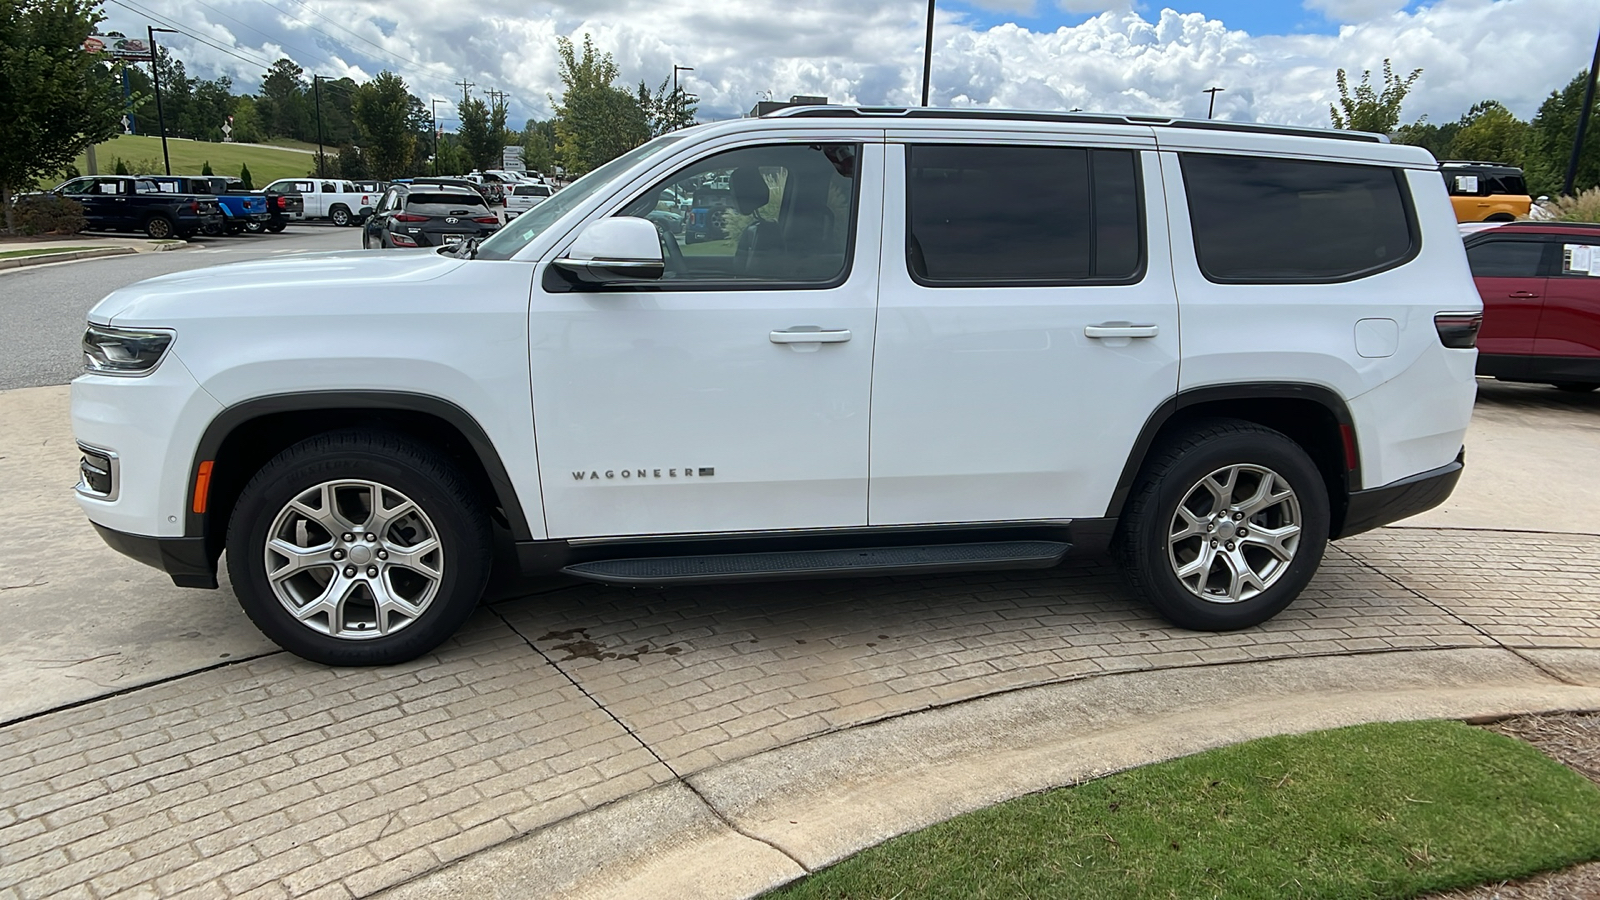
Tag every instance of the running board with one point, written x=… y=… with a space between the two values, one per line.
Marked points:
x=823 y=563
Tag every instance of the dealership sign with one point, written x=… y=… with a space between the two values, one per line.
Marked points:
x=118 y=47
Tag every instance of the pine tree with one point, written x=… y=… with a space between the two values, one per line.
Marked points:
x=205 y=168
x=244 y=176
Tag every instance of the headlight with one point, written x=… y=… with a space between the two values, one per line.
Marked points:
x=123 y=351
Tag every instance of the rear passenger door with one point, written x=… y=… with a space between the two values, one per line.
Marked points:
x=1027 y=326
x=1570 y=325
x=1510 y=272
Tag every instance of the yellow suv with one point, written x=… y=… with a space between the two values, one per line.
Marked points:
x=1486 y=192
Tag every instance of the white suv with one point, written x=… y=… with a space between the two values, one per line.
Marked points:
x=882 y=341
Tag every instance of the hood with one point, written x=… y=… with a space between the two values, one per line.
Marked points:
x=250 y=287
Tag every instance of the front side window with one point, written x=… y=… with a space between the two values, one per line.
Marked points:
x=1265 y=220
x=80 y=186
x=1008 y=215
x=780 y=213
x=1506 y=259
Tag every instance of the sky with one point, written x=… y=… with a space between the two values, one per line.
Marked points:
x=1274 y=59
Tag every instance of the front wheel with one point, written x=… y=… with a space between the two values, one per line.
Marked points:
x=1225 y=527
x=359 y=548
x=340 y=216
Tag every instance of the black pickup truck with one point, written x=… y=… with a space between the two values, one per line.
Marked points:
x=126 y=203
x=283 y=208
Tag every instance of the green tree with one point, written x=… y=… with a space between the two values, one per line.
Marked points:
x=121 y=168
x=244 y=177
x=538 y=145
x=55 y=99
x=1490 y=133
x=497 y=128
x=666 y=110
x=595 y=121
x=205 y=168
x=382 y=113
x=1433 y=138
x=286 y=110
x=1550 y=137
x=1367 y=108
x=476 y=135
x=247 y=125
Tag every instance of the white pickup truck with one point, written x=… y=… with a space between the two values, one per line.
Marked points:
x=336 y=200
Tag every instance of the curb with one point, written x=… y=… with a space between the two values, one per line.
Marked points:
x=69 y=256
x=741 y=828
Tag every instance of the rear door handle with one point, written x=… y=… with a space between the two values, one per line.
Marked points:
x=1523 y=295
x=1120 y=330
x=809 y=334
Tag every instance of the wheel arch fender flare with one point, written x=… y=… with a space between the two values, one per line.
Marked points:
x=1265 y=403
x=316 y=406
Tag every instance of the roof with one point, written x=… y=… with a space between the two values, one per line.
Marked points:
x=1587 y=229
x=901 y=112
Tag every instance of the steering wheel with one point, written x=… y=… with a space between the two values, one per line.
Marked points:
x=671 y=253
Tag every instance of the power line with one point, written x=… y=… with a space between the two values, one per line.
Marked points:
x=284 y=44
x=380 y=47
x=137 y=10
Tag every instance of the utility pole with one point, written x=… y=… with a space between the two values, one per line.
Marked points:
x=433 y=109
x=1213 y=106
x=1583 y=121
x=465 y=84
x=155 y=80
x=316 y=89
x=927 y=55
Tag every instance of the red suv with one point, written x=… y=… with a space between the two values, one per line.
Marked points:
x=1540 y=283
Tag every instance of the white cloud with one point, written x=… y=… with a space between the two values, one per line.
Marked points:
x=854 y=52
x=1020 y=7
x=1093 y=6
x=1355 y=10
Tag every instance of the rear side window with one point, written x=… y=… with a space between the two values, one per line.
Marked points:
x=1003 y=215
x=1261 y=220
x=531 y=190
x=1506 y=259
x=441 y=204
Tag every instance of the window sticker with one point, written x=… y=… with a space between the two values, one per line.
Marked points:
x=1580 y=259
x=1466 y=184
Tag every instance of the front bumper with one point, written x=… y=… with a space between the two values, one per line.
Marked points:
x=183 y=558
x=1402 y=499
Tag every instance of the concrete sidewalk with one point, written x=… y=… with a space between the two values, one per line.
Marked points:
x=586 y=741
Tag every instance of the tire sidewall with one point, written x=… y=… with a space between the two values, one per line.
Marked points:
x=1147 y=535
x=463 y=534
x=338 y=211
x=158 y=228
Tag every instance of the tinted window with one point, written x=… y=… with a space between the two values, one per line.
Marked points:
x=1258 y=219
x=775 y=214
x=1506 y=259
x=531 y=190
x=444 y=204
x=1021 y=215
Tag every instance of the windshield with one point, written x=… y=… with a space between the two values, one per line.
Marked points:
x=507 y=241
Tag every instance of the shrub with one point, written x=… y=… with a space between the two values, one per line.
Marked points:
x=1585 y=207
x=121 y=168
x=48 y=214
x=205 y=168
x=244 y=176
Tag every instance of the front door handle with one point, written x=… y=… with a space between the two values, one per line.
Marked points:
x=1523 y=295
x=1120 y=330
x=809 y=334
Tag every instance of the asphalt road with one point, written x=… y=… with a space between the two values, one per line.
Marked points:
x=42 y=308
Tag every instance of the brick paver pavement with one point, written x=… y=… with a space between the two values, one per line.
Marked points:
x=276 y=777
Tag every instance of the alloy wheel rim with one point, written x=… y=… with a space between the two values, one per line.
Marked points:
x=354 y=559
x=1234 y=534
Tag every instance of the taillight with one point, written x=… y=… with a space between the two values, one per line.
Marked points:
x=400 y=240
x=194 y=206
x=1458 y=330
x=486 y=220
x=409 y=217
x=283 y=203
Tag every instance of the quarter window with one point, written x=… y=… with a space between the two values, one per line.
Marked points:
x=994 y=214
x=1260 y=220
x=1506 y=259
x=779 y=214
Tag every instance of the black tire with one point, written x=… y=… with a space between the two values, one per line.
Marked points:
x=158 y=228
x=1574 y=387
x=340 y=216
x=1179 y=467
x=449 y=506
x=235 y=229
x=277 y=227
x=255 y=227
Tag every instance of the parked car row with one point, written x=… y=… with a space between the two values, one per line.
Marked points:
x=164 y=206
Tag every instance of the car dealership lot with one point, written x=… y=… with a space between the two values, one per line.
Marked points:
x=155 y=740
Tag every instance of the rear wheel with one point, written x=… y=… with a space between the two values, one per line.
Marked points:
x=277 y=227
x=158 y=227
x=340 y=216
x=1575 y=387
x=359 y=548
x=1225 y=527
x=255 y=227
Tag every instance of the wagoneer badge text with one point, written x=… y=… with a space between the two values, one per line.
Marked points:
x=702 y=472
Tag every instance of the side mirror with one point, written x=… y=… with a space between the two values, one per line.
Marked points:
x=615 y=251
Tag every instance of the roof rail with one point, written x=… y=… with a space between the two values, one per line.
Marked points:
x=1019 y=115
x=1552 y=223
x=1476 y=162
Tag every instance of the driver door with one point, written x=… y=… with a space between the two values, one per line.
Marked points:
x=732 y=395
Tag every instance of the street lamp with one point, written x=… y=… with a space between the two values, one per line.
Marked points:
x=927 y=55
x=433 y=112
x=316 y=90
x=155 y=79
x=1213 y=105
x=675 y=70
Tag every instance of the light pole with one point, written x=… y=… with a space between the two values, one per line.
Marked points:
x=675 y=70
x=927 y=54
x=1583 y=121
x=155 y=80
x=1213 y=105
x=433 y=111
x=316 y=90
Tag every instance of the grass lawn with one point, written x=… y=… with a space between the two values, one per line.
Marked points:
x=42 y=251
x=1389 y=810
x=266 y=164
